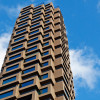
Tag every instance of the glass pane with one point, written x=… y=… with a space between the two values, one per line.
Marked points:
x=4 y=95
x=35 y=25
x=31 y=58
x=18 y=39
x=25 y=13
x=47 y=15
x=37 y=7
x=27 y=83
x=33 y=40
x=17 y=47
x=46 y=44
x=45 y=90
x=20 y=31
x=22 y=24
x=9 y=80
x=11 y=68
x=32 y=49
x=23 y=18
x=29 y=70
x=46 y=35
x=44 y=76
x=34 y=32
x=45 y=64
x=35 y=19
x=14 y=57
x=47 y=21
x=46 y=53
x=37 y=13
x=46 y=28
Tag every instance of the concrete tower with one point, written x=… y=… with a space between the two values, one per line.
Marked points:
x=37 y=64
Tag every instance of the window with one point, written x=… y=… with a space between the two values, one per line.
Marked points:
x=12 y=67
x=30 y=54
x=48 y=10
x=37 y=13
x=47 y=21
x=22 y=24
x=37 y=7
x=45 y=44
x=44 y=76
x=33 y=40
x=18 y=39
x=14 y=48
x=4 y=95
x=46 y=28
x=35 y=25
x=42 y=91
x=23 y=18
x=31 y=58
x=47 y=15
x=28 y=70
x=46 y=35
x=20 y=31
x=14 y=57
x=8 y=87
x=66 y=93
x=26 y=7
x=25 y=13
x=45 y=53
x=35 y=18
x=34 y=32
x=26 y=83
x=30 y=49
x=9 y=80
x=45 y=64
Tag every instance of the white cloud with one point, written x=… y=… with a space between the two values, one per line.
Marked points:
x=4 y=40
x=11 y=11
x=98 y=6
x=84 y=64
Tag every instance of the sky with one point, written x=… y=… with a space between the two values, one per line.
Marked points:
x=82 y=21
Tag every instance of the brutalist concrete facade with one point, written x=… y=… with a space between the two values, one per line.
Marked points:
x=37 y=64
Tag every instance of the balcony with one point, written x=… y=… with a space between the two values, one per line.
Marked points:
x=13 y=68
x=35 y=72
x=17 y=48
x=15 y=57
x=49 y=55
x=9 y=94
x=37 y=25
x=49 y=78
x=21 y=32
x=28 y=84
x=48 y=44
x=8 y=81
x=24 y=13
x=36 y=32
x=35 y=40
x=38 y=59
x=48 y=65
x=48 y=92
x=19 y=39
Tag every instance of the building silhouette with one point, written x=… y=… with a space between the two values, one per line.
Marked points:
x=37 y=64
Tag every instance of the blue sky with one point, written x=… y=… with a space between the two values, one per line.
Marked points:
x=82 y=21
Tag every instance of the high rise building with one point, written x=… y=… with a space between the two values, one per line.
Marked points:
x=37 y=64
